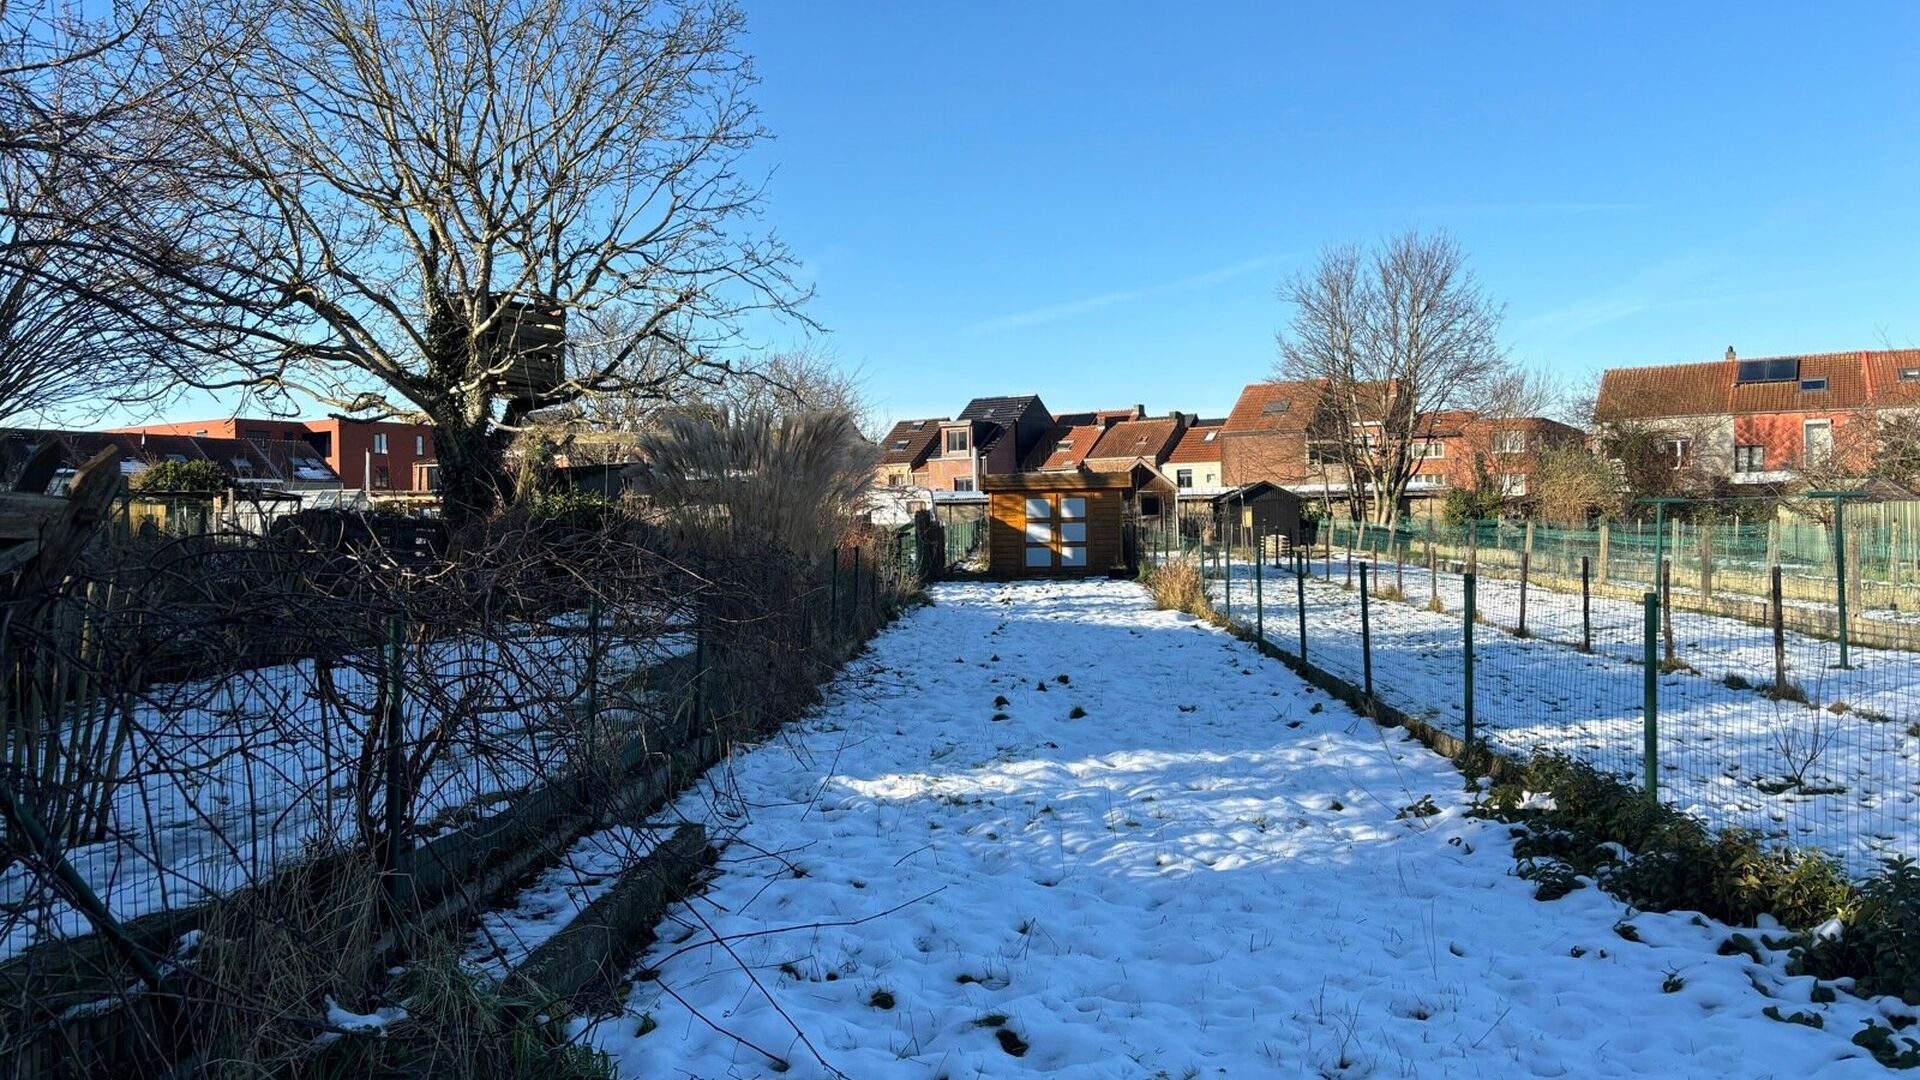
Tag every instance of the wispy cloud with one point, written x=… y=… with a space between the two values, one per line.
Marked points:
x=1072 y=308
x=1529 y=209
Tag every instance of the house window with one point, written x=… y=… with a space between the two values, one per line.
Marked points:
x=1150 y=506
x=1183 y=478
x=259 y=434
x=1429 y=449
x=419 y=446
x=1510 y=442
x=1749 y=459
x=893 y=479
x=1513 y=484
x=1817 y=383
x=382 y=478
x=963 y=483
x=380 y=442
x=957 y=441
x=1818 y=435
x=1677 y=449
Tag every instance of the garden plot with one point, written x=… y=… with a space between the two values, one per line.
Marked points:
x=228 y=779
x=1045 y=830
x=1848 y=782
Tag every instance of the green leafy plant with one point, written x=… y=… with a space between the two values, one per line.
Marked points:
x=181 y=476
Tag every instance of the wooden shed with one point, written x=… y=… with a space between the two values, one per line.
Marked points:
x=1259 y=509
x=1056 y=524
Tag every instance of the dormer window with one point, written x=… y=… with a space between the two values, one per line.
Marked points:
x=1063 y=444
x=957 y=441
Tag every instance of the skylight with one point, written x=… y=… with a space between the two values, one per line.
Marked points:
x=1209 y=436
x=1275 y=408
x=1818 y=382
x=1910 y=374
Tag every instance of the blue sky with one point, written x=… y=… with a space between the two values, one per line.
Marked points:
x=1096 y=201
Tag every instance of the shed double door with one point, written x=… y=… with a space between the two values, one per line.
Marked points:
x=1056 y=531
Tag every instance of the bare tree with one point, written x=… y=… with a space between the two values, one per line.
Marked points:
x=1397 y=335
x=75 y=327
x=417 y=182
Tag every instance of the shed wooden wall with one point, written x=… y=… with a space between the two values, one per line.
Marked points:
x=1007 y=534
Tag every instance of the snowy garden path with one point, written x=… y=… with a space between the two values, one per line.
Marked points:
x=1162 y=855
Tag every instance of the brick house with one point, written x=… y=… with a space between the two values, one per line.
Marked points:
x=904 y=452
x=1286 y=433
x=1194 y=463
x=367 y=454
x=991 y=435
x=1764 y=421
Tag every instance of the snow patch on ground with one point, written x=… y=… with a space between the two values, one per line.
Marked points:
x=1044 y=830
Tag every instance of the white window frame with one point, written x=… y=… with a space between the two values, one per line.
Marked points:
x=1183 y=478
x=1744 y=458
x=1509 y=442
x=1807 y=428
x=379 y=442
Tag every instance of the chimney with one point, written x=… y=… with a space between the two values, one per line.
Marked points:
x=1730 y=357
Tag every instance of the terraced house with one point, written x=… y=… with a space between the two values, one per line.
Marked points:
x=1765 y=421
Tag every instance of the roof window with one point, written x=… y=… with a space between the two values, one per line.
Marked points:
x=1275 y=408
x=1818 y=382
x=1910 y=374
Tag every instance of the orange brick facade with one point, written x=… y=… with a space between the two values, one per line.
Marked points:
x=377 y=456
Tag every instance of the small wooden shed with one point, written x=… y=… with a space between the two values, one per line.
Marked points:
x=1261 y=508
x=1056 y=524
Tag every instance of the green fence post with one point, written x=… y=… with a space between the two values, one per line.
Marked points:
x=1650 y=680
x=1840 y=573
x=1466 y=701
x=1366 y=636
x=1259 y=591
x=1300 y=589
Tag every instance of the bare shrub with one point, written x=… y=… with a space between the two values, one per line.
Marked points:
x=1178 y=585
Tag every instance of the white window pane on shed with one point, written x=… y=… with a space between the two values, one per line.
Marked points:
x=1038 y=508
x=1073 y=507
x=1073 y=556
x=1039 y=555
x=1073 y=532
x=1039 y=532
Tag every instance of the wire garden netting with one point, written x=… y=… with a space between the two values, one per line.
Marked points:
x=1763 y=714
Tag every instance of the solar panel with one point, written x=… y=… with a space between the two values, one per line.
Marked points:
x=1759 y=371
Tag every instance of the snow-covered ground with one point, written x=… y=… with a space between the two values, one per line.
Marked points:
x=227 y=779
x=1044 y=830
x=1732 y=755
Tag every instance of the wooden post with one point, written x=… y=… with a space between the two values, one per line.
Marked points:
x=1605 y=536
x=1526 y=565
x=1433 y=569
x=1779 y=638
x=1349 y=566
x=1473 y=549
x=1773 y=542
x=1399 y=570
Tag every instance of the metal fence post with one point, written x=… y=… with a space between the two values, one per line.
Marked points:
x=1259 y=591
x=1779 y=638
x=1300 y=591
x=1466 y=610
x=1226 y=572
x=1840 y=573
x=1650 y=676
x=395 y=769
x=1586 y=604
x=1366 y=636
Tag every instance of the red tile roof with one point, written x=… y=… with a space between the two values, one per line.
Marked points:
x=1099 y=416
x=1148 y=439
x=1854 y=380
x=1197 y=444
x=1065 y=447
x=1276 y=406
